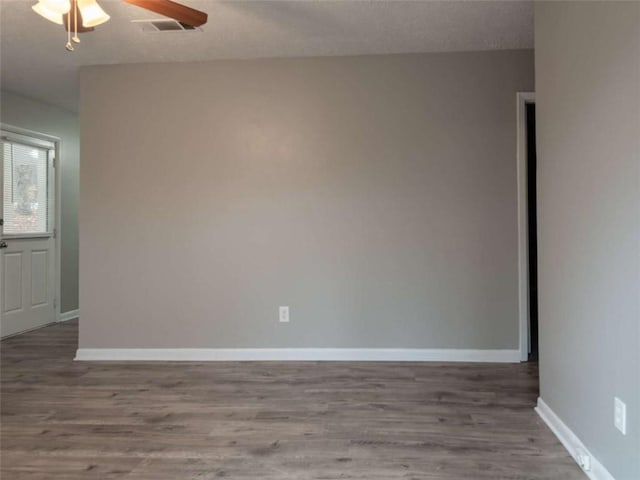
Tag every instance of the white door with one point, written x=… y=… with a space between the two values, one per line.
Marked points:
x=27 y=243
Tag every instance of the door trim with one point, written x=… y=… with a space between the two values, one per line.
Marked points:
x=523 y=98
x=57 y=214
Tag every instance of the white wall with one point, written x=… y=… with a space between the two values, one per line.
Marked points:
x=588 y=118
x=23 y=112
x=375 y=196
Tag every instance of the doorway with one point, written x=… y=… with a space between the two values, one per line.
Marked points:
x=532 y=230
x=527 y=226
x=27 y=232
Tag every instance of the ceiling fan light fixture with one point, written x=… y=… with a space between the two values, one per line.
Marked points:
x=60 y=6
x=52 y=10
x=92 y=13
x=78 y=16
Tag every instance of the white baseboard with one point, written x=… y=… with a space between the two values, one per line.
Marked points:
x=70 y=315
x=299 y=354
x=572 y=443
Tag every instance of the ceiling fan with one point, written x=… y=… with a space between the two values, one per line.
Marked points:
x=79 y=16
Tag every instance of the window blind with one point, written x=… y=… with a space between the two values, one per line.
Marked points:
x=25 y=189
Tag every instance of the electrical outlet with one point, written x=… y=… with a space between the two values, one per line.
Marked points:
x=284 y=314
x=620 y=415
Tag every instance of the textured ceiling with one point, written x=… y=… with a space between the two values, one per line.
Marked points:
x=35 y=63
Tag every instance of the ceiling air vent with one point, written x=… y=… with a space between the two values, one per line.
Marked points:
x=168 y=25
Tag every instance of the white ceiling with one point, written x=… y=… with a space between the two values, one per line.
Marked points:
x=35 y=63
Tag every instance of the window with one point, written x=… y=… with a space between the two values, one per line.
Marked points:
x=25 y=187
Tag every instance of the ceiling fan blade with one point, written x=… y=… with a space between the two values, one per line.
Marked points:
x=168 y=8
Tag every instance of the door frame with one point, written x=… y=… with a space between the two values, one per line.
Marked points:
x=522 y=99
x=57 y=215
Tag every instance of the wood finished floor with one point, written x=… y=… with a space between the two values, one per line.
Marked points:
x=69 y=420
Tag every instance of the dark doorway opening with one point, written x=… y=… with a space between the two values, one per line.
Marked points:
x=532 y=231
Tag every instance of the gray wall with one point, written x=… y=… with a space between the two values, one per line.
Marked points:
x=19 y=111
x=376 y=196
x=588 y=115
